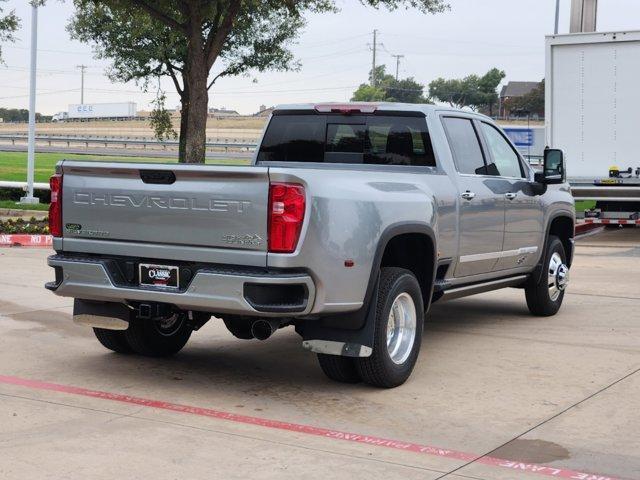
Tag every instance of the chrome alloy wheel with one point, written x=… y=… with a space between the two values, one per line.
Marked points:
x=401 y=328
x=558 y=276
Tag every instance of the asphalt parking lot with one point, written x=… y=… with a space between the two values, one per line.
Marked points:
x=496 y=394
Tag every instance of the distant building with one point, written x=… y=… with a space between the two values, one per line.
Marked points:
x=514 y=90
x=264 y=111
x=222 y=112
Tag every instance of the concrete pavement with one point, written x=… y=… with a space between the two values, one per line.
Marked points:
x=492 y=381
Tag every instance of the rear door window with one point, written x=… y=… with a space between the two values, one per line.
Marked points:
x=373 y=139
x=399 y=141
x=465 y=145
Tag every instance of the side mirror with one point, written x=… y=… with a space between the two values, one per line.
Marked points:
x=553 y=171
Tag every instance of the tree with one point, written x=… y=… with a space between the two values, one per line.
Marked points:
x=368 y=93
x=9 y=23
x=488 y=85
x=388 y=89
x=472 y=91
x=187 y=39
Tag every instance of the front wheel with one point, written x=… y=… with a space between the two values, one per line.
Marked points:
x=397 y=331
x=544 y=298
x=158 y=337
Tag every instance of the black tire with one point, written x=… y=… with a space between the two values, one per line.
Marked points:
x=379 y=369
x=151 y=339
x=338 y=368
x=114 y=340
x=538 y=295
x=239 y=326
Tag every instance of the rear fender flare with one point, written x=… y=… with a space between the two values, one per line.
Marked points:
x=357 y=327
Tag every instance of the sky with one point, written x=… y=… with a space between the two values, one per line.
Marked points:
x=474 y=36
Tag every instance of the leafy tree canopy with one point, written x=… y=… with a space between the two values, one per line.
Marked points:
x=187 y=40
x=472 y=91
x=9 y=23
x=19 y=115
x=388 y=89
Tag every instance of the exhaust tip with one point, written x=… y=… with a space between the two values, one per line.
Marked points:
x=263 y=329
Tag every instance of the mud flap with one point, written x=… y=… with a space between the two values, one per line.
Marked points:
x=106 y=315
x=320 y=336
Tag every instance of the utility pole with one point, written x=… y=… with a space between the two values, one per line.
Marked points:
x=29 y=198
x=82 y=69
x=555 y=30
x=373 y=68
x=397 y=57
x=584 y=14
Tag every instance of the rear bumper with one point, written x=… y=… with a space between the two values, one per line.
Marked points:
x=210 y=290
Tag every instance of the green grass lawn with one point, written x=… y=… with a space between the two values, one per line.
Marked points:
x=19 y=206
x=583 y=205
x=13 y=165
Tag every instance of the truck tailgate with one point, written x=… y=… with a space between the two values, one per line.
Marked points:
x=179 y=205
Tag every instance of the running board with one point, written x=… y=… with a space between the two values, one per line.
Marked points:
x=465 y=291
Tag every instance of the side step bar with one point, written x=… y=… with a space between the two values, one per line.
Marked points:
x=466 y=290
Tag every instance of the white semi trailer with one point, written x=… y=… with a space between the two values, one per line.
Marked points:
x=93 y=111
x=593 y=114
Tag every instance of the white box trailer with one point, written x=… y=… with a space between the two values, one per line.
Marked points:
x=102 y=110
x=593 y=114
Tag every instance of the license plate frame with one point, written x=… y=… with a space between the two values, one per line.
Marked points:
x=159 y=276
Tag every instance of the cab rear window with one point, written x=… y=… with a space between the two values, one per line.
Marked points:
x=358 y=139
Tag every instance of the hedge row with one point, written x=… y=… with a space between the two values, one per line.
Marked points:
x=15 y=194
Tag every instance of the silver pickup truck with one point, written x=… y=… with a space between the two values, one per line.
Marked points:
x=350 y=221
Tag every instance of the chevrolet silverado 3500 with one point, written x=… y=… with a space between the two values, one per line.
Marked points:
x=350 y=221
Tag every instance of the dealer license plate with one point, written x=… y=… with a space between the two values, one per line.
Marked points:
x=159 y=275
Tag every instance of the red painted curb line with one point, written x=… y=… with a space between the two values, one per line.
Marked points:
x=24 y=240
x=308 y=430
x=582 y=228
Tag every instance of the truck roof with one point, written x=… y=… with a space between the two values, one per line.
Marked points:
x=373 y=106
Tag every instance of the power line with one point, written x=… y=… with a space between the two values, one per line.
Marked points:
x=46 y=50
x=341 y=53
x=333 y=42
x=43 y=93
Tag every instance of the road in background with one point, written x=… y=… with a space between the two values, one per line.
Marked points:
x=129 y=152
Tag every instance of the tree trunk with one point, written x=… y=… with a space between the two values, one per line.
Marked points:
x=195 y=83
x=196 y=118
x=184 y=128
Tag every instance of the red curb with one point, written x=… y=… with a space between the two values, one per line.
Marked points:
x=23 y=240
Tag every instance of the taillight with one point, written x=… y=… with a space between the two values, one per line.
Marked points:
x=286 y=214
x=55 y=208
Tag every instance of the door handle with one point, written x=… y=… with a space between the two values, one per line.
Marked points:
x=468 y=195
x=510 y=195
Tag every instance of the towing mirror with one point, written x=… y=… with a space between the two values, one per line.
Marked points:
x=553 y=171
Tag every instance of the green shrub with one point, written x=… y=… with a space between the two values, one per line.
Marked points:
x=20 y=225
